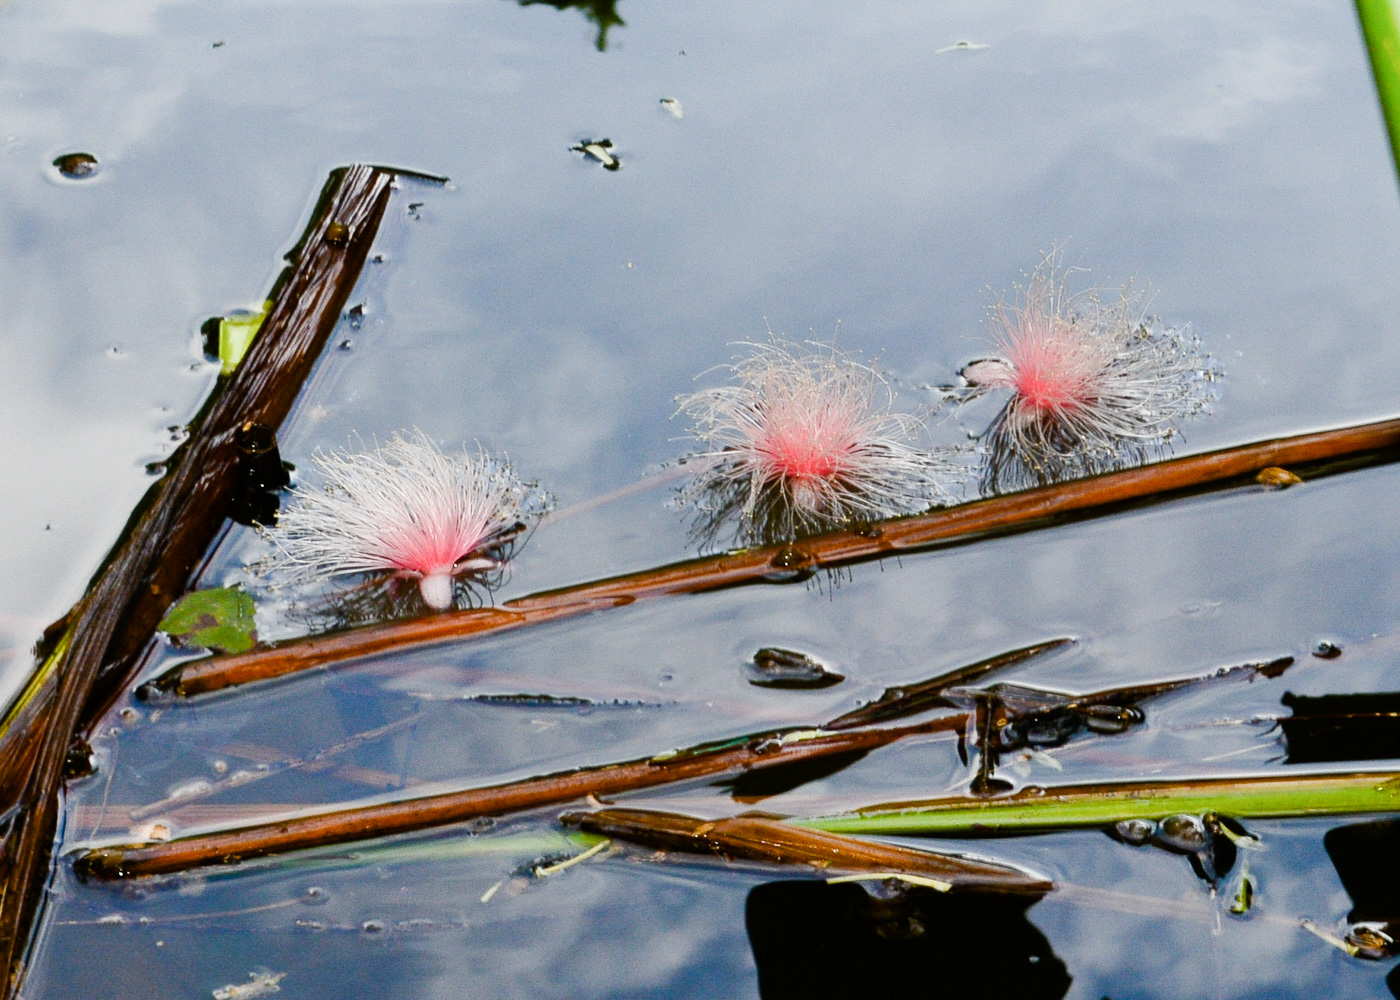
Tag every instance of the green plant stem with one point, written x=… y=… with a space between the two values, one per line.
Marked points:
x=1096 y=805
x=1383 y=45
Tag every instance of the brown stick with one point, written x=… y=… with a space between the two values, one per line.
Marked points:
x=367 y=822
x=755 y=838
x=1017 y=512
x=168 y=534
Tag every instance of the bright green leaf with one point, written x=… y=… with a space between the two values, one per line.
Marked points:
x=236 y=333
x=220 y=619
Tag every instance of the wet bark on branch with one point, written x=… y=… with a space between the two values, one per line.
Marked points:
x=166 y=537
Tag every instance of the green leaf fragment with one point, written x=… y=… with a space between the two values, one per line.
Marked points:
x=221 y=619
x=236 y=333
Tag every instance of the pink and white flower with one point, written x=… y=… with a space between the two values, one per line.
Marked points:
x=1092 y=385
x=408 y=509
x=805 y=439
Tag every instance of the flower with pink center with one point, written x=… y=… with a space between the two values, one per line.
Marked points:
x=805 y=440
x=408 y=509
x=1092 y=386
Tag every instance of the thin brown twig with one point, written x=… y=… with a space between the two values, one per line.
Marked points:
x=1031 y=509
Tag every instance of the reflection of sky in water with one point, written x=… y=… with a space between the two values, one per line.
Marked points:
x=830 y=167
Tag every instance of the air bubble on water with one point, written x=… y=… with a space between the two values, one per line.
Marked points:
x=189 y=789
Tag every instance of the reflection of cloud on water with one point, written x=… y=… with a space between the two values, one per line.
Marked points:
x=1237 y=86
x=786 y=192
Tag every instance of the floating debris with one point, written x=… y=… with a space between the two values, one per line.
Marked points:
x=674 y=106
x=962 y=47
x=1093 y=386
x=1135 y=831
x=260 y=984
x=806 y=441
x=1243 y=900
x=76 y=166
x=261 y=475
x=1182 y=832
x=1277 y=478
x=408 y=508
x=786 y=668
x=600 y=150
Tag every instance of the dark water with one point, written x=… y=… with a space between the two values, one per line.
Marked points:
x=831 y=167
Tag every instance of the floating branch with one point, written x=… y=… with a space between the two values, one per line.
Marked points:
x=106 y=632
x=1096 y=805
x=383 y=819
x=1035 y=508
x=750 y=754
x=754 y=838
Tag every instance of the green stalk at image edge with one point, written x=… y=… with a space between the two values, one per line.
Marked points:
x=1098 y=805
x=1383 y=45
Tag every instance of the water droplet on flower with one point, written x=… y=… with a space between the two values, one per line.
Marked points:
x=1325 y=650
x=373 y=927
x=314 y=895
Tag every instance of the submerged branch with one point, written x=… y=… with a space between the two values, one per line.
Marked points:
x=1031 y=509
x=748 y=755
x=383 y=819
x=756 y=838
x=1094 y=805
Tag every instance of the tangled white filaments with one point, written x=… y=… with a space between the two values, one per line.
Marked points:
x=1093 y=386
x=408 y=509
x=804 y=440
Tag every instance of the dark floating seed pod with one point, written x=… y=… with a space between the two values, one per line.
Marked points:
x=261 y=475
x=80 y=761
x=76 y=166
x=1277 y=478
x=1135 y=831
x=1183 y=832
x=787 y=668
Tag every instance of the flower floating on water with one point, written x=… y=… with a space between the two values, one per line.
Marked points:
x=1093 y=385
x=409 y=509
x=806 y=440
